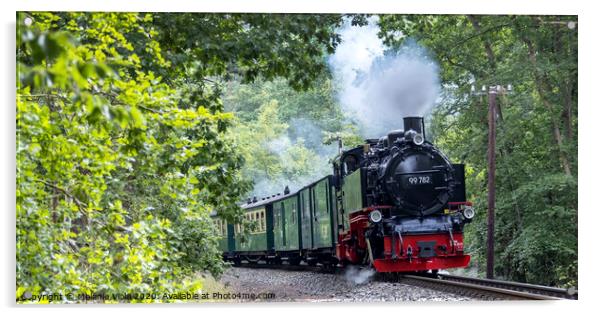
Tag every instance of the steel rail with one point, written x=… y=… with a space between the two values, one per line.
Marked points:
x=480 y=288
x=526 y=287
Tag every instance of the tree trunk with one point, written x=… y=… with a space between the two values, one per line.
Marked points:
x=567 y=96
x=486 y=43
x=566 y=88
x=490 y=55
x=540 y=82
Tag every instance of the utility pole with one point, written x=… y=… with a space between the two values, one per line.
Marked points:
x=492 y=117
x=491 y=182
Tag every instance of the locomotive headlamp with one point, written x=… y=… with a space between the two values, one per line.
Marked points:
x=376 y=216
x=418 y=139
x=468 y=212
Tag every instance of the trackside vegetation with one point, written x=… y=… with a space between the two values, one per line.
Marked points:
x=121 y=153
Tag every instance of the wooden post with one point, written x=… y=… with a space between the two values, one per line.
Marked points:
x=491 y=183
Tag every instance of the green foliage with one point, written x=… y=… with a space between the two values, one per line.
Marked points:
x=122 y=150
x=252 y=45
x=536 y=183
x=544 y=248
x=284 y=134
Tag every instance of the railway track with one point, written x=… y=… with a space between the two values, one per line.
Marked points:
x=491 y=289
x=484 y=289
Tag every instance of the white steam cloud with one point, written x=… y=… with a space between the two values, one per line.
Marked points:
x=302 y=134
x=355 y=275
x=380 y=87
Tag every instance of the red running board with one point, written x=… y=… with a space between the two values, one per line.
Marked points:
x=434 y=263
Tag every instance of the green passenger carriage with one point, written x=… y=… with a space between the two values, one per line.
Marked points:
x=291 y=226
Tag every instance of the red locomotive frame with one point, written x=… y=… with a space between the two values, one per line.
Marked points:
x=448 y=253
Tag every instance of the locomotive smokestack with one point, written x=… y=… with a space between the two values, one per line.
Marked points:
x=415 y=123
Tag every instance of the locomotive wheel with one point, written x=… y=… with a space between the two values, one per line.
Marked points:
x=312 y=263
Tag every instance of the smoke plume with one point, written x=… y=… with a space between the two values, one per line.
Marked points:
x=358 y=276
x=379 y=87
x=301 y=155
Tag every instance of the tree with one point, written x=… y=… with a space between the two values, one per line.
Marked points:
x=121 y=141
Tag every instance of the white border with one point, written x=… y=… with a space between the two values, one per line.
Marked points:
x=590 y=112
x=314 y=6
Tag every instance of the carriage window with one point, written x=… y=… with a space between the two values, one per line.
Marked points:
x=349 y=165
x=250 y=218
x=325 y=195
x=294 y=212
x=321 y=197
x=302 y=205
x=262 y=221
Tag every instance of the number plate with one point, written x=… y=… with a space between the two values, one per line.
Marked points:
x=416 y=180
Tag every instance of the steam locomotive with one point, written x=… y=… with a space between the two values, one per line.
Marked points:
x=396 y=203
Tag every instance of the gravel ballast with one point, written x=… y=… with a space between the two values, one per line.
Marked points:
x=350 y=285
